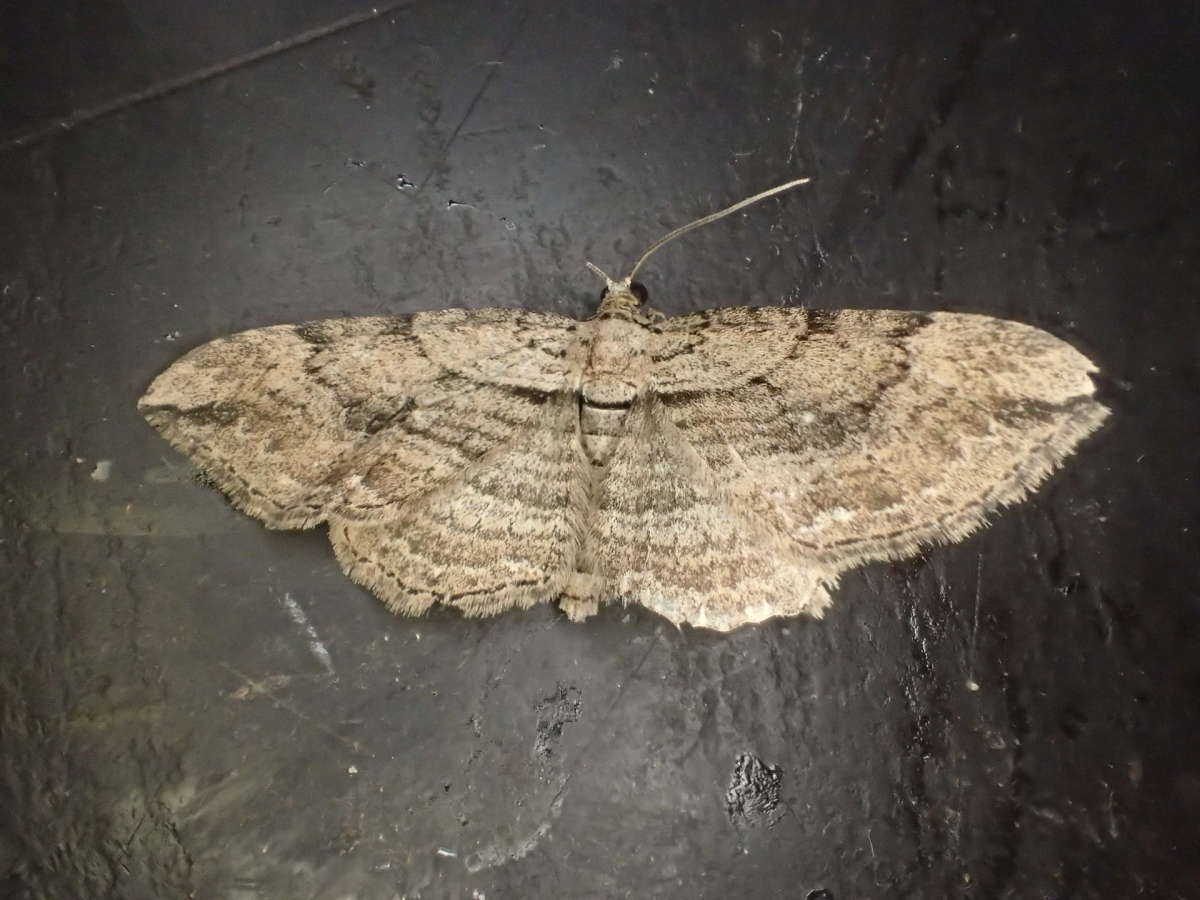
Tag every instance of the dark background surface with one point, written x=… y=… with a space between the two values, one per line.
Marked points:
x=194 y=706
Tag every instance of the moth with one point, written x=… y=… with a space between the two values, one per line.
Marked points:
x=718 y=468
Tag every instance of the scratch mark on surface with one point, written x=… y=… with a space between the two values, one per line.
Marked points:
x=494 y=66
x=973 y=685
x=319 y=650
x=160 y=89
x=259 y=688
x=496 y=853
x=791 y=154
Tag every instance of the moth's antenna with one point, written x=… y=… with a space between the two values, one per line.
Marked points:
x=711 y=217
x=599 y=271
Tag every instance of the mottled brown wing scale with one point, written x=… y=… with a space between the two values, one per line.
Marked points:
x=882 y=431
x=437 y=486
x=274 y=414
x=251 y=414
x=772 y=449
x=504 y=533
x=663 y=534
x=446 y=430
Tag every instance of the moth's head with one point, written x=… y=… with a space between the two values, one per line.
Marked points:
x=620 y=298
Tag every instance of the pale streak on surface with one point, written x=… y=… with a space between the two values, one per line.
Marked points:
x=315 y=644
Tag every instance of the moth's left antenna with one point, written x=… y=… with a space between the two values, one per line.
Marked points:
x=599 y=271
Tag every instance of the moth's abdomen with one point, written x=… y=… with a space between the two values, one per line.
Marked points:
x=601 y=426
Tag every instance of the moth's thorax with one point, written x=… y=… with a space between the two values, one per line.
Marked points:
x=615 y=365
x=619 y=302
x=614 y=374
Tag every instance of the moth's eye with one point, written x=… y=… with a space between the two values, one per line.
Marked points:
x=639 y=290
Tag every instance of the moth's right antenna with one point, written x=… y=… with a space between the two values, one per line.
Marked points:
x=712 y=217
